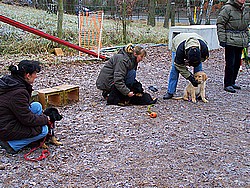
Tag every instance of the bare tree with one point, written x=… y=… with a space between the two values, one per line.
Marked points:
x=129 y=7
x=151 y=13
x=200 y=12
x=195 y=17
x=172 y=8
x=208 y=12
x=124 y=22
x=189 y=13
x=69 y=6
x=59 y=18
x=167 y=14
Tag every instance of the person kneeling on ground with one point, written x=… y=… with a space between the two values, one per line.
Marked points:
x=21 y=123
x=119 y=73
x=188 y=49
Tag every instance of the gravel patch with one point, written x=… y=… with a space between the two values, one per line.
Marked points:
x=187 y=145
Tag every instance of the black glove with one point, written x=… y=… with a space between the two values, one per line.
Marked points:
x=193 y=81
x=223 y=44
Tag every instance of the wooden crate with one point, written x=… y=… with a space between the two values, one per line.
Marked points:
x=70 y=93
x=50 y=97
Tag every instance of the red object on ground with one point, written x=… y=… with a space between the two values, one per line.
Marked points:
x=47 y=36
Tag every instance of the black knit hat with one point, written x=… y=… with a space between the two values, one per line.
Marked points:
x=194 y=56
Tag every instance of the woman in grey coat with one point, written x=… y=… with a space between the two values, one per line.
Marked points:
x=233 y=34
x=120 y=70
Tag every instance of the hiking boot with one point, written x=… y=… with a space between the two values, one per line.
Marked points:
x=7 y=147
x=236 y=86
x=105 y=94
x=167 y=96
x=230 y=89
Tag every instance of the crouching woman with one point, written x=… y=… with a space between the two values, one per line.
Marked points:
x=120 y=71
x=21 y=123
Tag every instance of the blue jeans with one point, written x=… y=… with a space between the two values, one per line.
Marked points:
x=36 y=108
x=130 y=77
x=174 y=76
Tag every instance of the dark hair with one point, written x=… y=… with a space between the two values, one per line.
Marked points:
x=25 y=67
x=194 y=56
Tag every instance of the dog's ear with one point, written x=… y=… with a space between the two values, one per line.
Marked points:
x=205 y=77
x=53 y=114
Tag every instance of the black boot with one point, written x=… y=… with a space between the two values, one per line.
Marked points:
x=230 y=89
x=236 y=86
x=167 y=96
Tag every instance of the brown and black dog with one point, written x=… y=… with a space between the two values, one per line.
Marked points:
x=54 y=116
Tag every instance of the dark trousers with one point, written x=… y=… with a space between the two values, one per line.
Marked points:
x=233 y=59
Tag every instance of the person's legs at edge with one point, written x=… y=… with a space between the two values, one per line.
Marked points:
x=172 y=80
x=229 y=68
x=36 y=108
x=238 y=52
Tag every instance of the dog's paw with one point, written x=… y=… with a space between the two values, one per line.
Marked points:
x=205 y=100
x=44 y=146
x=57 y=143
x=194 y=101
x=54 y=141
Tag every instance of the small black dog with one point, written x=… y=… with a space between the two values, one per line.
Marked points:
x=54 y=116
x=140 y=98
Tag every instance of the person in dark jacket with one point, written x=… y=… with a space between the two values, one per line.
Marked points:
x=21 y=123
x=232 y=29
x=120 y=70
x=188 y=49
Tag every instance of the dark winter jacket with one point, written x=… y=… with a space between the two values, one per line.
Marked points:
x=181 y=43
x=16 y=120
x=232 y=24
x=115 y=70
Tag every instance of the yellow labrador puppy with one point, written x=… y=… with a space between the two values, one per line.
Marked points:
x=199 y=91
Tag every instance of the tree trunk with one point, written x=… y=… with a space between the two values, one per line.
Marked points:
x=41 y=4
x=200 y=12
x=167 y=14
x=70 y=6
x=209 y=8
x=113 y=9
x=172 y=13
x=189 y=13
x=124 y=22
x=151 y=13
x=59 y=18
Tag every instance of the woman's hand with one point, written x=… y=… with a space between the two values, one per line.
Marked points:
x=131 y=94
